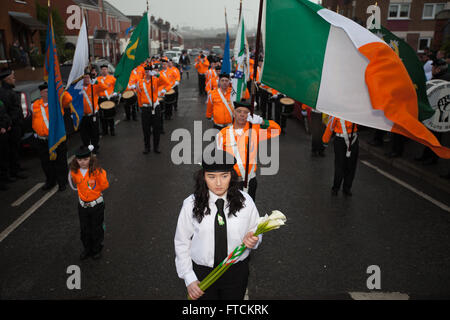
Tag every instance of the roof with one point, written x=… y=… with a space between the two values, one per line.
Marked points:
x=106 y=5
x=27 y=20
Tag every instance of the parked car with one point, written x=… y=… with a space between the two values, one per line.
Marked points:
x=217 y=50
x=194 y=52
x=174 y=55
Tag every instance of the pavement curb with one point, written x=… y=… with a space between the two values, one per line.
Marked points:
x=407 y=167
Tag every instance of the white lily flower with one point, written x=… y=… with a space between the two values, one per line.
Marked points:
x=263 y=219
x=276 y=214
x=274 y=224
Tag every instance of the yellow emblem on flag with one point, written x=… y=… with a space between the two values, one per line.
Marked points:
x=133 y=47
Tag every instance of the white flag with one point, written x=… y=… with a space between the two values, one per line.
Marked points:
x=81 y=56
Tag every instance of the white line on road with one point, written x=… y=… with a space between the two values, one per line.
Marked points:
x=27 y=213
x=378 y=296
x=409 y=187
x=28 y=194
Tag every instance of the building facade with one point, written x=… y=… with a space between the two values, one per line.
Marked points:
x=415 y=21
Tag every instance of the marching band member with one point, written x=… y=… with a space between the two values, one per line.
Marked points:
x=108 y=94
x=148 y=90
x=212 y=222
x=90 y=181
x=202 y=67
x=346 y=149
x=219 y=105
x=55 y=170
x=233 y=139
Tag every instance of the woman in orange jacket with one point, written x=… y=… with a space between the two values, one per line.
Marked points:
x=90 y=181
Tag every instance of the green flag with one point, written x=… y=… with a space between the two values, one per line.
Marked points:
x=242 y=58
x=412 y=65
x=135 y=53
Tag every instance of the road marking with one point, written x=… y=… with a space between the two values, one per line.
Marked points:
x=28 y=213
x=378 y=296
x=246 y=297
x=409 y=187
x=28 y=194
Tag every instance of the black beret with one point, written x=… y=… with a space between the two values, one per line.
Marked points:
x=242 y=104
x=164 y=60
x=218 y=161
x=147 y=67
x=439 y=62
x=5 y=73
x=104 y=66
x=43 y=86
x=224 y=75
x=83 y=152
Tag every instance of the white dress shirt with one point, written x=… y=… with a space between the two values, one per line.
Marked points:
x=194 y=241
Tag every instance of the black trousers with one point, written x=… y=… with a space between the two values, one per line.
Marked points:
x=55 y=170
x=175 y=105
x=89 y=130
x=91 y=227
x=252 y=185
x=4 y=156
x=201 y=83
x=230 y=286
x=14 y=136
x=344 y=168
x=265 y=104
x=151 y=124
x=130 y=109
x=317 y=129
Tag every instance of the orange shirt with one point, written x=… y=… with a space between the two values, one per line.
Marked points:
x=334 y=125
x=217 y=109
x=110 y=81
x=251 y=66
x=144 y=90
x=175 y=73
x=40 y=123
x=165 y=82
x=202 y=66
x=87 y=92
x=225 y=142
x=90 y=187
x=212 y=83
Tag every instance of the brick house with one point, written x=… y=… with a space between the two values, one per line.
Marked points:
x=106 y=25
x=18 y=22
x=412 y=20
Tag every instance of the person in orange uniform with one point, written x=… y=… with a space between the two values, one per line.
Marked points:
x=202 y=67
x=89 y=128
x=175 y=77
x=234 y=140
x=90 y=181
x=219 y=105
x=166 y=82
x=148 y=90
x=105 y=95
x=55 y=170
x=346 y=149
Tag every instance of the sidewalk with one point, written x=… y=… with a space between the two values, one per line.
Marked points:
x=430 y=174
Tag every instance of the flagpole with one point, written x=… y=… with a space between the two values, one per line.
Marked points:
x=253 y=91
x=240 y=10
x=90 y=66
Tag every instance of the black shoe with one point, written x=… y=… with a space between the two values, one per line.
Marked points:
x=97 y=255
x=314 y=154
x=445 y=176
x=61 y=187
x=3 y=187
x=84 y=255
x=127 y=119
x=48 y=186
x=146 y=151
x=348 y=193
x=19 y=175
x=157 y=150
x=322 y=154
x=134 y=119
x=393 y=155
x=429 y=162
x=375 y=143
x=113 y=133
x=334 y=192
x=10 y=179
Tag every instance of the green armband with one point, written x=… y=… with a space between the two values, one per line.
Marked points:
x=265 y=125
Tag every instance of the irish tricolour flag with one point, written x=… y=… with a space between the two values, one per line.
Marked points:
x=334 y=65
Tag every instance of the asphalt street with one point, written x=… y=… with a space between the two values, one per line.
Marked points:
x=322 y=253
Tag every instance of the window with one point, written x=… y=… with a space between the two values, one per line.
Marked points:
x=2 y=46
x=423 y=43
x=399 y=11
x=430 y=10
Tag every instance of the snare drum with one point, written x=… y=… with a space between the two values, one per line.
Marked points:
x=170 y=97
x=108 y=108
x=288 y=105
x=129 y=96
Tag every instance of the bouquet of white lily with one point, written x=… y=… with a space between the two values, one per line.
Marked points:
x=266 y=223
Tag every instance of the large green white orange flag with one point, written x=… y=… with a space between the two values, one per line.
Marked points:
x=242 y=60
x=336 y=66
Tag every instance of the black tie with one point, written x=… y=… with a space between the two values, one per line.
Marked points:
x=220 y=234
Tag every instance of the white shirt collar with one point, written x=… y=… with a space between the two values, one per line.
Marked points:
x=213 y=197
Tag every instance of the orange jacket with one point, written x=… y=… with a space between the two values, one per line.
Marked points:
x=90 y=187
x=202 y=66
x=251 y=66
x=175 y=74
x=137 y=74
x=217 y=109
x=334 y=125
x=37 y=120
x=144 y=90
x=212 y=83
x=87 y=92
x=165 y=82
x=110 y=82
x=259 y=133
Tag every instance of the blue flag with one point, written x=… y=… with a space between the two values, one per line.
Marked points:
x=226 y=62
x=56 y=130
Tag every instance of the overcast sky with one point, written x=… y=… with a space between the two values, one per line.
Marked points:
x=194 y=13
